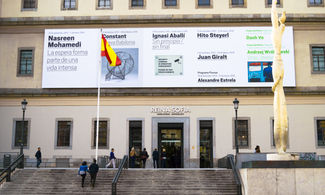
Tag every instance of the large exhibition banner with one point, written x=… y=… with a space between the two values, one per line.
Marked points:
x=165 y=57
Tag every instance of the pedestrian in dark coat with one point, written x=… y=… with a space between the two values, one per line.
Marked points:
x=82 y=172
x=144 y=156
x=38 y=156
x=155 y=157
x=163 y=158
x=93 y=170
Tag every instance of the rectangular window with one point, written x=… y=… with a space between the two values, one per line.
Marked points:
x=25 y=62
x=137 y=3
x=269 y=2
x=320 y=132
x=237 y=2
x=19 y=136
x=29 y=4
x=203 y=2
x=104 y=4
x=102 y=133
x=170 y=3
x=206 y=144
x=64 y=130
x=243 y=132
x=69 y=4
x=315 y=2
x=318 y=59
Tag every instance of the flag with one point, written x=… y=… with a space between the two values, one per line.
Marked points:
x=107 y=51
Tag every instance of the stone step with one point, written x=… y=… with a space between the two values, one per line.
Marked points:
x=137 y=181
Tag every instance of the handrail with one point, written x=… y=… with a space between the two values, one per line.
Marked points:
x=235 y=172
x=7 y=171
x=118 y=173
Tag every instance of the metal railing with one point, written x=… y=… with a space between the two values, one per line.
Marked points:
x=235 y=172
x=122 y=165
x=6 y=173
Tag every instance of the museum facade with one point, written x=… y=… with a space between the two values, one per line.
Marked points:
x=183 y=64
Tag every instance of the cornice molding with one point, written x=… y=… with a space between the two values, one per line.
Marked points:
x=158 y=19
x=244 y=91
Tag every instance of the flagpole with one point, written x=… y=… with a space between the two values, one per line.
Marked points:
x=98 y=100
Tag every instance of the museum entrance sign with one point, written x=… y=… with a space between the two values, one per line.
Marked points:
x=165 y=57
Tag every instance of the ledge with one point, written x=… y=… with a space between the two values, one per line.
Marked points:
x=160 y=19
x=285 y=164
x=244 y=91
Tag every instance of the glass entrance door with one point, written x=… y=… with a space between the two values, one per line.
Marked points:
x=135 y=140
x=171 y=140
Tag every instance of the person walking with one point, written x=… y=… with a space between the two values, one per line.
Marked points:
x=163 y=158
x=38 y=156
x=155 y=157
x=93 y=170
x=111 y=159
x=132 y=157
x=82 y=172
x=144 y=156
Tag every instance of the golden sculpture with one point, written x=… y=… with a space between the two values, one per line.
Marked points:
x=279 y=104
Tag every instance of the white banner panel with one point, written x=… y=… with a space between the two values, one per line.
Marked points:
x=170 y=57
x=71 y=58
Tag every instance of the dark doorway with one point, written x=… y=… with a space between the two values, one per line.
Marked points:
x=206 y=157
x=170 y=138
x=135 y=140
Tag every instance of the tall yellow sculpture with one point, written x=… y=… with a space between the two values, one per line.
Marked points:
x=279 y=104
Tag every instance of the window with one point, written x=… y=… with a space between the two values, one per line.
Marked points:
x=315 y=3
x=318 y=59
x=137 y=3
x=269 y=3
x=170 y=3
x=18 y=129
x=237 y=3
x=272 y=134
x=203 y=2
x=25 y=61
x=64 y=132
x=320 y=125
x=104 y=4
x=29 y=4
x=243 y=132
x=206 y=151
x=69 y=4
x=102 y=135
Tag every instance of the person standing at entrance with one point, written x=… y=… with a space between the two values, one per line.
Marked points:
x=155 y=157
x=38 y=156
x=132 y=157
x=82 y=172
x=144 y=156
x=257 y=149
x=93 y=170
x=163 y=158
x=111 y=159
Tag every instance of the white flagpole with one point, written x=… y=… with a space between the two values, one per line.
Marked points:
x=98 y=98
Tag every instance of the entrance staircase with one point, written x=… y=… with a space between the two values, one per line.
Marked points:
x=132 y=181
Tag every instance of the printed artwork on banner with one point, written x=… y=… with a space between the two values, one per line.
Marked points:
x=127 y=71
